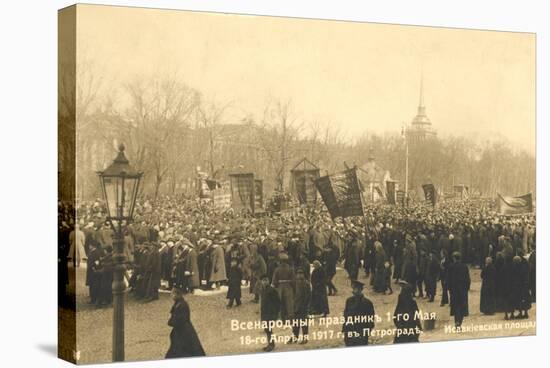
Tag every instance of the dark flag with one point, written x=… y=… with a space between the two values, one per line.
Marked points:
x=429 y=193
x=390 y=192
x=400 y=197
x=515 y=205
x=341 y=193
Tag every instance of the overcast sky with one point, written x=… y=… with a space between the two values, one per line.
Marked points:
x=360 y=76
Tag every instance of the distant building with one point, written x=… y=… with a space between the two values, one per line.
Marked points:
x=373 y=178
x=421 y=127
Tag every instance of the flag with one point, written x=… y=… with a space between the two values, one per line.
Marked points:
x=390 y=192
x=515 y=205
x=341 y=193
x=462 y=190
x=429 y=193
x=400 y=197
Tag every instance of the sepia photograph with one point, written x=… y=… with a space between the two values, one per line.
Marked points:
x=234 y=184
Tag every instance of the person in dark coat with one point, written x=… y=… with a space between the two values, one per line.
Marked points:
x=167 y=261
x=301 y=307
x=93 y=274
x=459 y=285
x=421 y=272
x=258 y=268
x=431 y=275
x=410 y=263
x=533 y=276
x=234 y=284
x=500 y=282
x=353 y=255
x=283 y=281
x=397 y=260
x=105 y=296
x=444 y=265
x=379 y=268
x=184 y=341
x=357 y=306
x=330 y=259
x=406 y=316
x=319 y=299
x=270 y=307
x=519 y=286
x=487 y=303
x=152 y=273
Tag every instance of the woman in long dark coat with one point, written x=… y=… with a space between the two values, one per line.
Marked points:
x=406 y=316
x=487 y=304
x=319 y=298
x=184 y=341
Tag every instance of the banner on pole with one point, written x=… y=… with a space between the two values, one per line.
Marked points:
x=515 y=205
x=429 y=193
x=390 y=192
x=341 y=193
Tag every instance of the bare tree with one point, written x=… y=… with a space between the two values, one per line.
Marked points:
x=280 y=131
x=210 y=117
x=157 y=122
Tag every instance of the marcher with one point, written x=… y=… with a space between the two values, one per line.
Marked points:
x=406 y=316
x=184 y=341
x=357 y=333
x=487 y=303
x=283 y=281
x=234 y=284
x=319 y=299
x=270 y=308
x=459 y=285
x=301 y=308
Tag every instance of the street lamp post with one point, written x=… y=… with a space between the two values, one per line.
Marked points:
x=120 y=185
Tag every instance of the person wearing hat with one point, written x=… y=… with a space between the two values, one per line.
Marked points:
x=353 y=255
x=93 y=276
x=152 y=272
x=459 y=285
x=301 y=307
x=319 y=299
x=184 y=341
x=284 y=280
x=331 y=255
x=77 y=239
x=357 y=306
x=406 y=316
x=270 y=308
x=191 y=266
x=105 y=268
x=487 y=300
x=216 y=262
x=258 y=268
x=431 y=275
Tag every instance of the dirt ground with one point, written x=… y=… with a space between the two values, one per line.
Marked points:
x=147 y=334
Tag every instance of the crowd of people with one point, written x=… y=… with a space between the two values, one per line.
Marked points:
x=288 y=260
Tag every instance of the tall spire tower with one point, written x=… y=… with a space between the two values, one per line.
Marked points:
x=421 y=126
